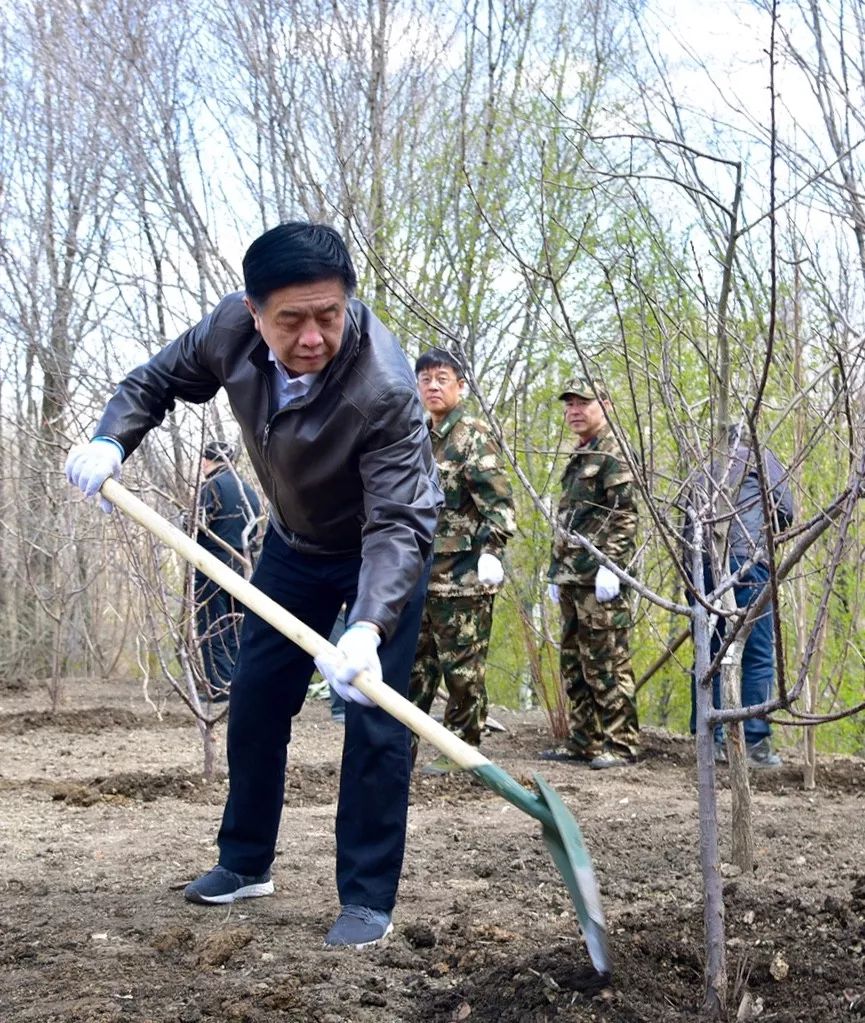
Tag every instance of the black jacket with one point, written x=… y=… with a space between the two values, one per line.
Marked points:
x=347 y=469
x=227 y=505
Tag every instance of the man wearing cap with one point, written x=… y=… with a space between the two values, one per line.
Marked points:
x=475 y=524
x=228 y=511
x=330 y=416
x=597 y=502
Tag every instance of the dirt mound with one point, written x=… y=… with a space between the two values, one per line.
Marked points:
x=87 y=721
x=535 y=989
x=141 y=787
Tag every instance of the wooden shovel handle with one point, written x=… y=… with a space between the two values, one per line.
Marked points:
x=283 y=621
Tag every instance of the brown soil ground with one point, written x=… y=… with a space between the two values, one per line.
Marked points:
x=104 y=816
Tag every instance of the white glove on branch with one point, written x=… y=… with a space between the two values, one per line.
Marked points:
x=607 y=585
x=88 y=466
x=490 y=571
x=358 y=651
x=553 y=592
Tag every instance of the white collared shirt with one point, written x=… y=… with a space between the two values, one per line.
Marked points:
x=288 y=387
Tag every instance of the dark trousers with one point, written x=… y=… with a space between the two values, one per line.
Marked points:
x=218 y=620
x=758 y=654
x=268 y=688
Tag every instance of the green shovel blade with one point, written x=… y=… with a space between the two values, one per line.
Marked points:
x=563 y=838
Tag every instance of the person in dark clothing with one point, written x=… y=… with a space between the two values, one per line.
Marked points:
x=337 y=703
x=333 y=426
x=228 y=512
x=747 y=544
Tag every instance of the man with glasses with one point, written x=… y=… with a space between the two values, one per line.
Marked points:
x=474 y=527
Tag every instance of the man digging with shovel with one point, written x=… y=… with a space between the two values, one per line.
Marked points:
x=330 y=416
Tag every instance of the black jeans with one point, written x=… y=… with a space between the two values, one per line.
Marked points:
x=268 y=689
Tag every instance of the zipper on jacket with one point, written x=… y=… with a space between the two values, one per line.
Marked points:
x=265 y=439
x=272 y=410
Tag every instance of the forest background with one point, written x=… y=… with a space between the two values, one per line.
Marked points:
x=634 y=191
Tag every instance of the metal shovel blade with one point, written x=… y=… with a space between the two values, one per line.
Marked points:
x=565 y=842
x=563 y=838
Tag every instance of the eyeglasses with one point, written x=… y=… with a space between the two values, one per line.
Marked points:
x=442 y=379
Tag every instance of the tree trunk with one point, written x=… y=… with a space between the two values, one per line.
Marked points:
x=715 y=997
x=741 y=830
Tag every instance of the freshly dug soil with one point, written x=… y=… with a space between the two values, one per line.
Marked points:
x=104 y=816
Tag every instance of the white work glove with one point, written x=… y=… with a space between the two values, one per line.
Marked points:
x=553 y=592
x=357 y=651
x=607 y=585
x=88 y=466
x=490 y=571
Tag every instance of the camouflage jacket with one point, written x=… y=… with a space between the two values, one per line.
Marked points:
x=478 y=514
x=599 y=502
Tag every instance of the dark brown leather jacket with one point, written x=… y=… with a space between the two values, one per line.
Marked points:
x=347 y=469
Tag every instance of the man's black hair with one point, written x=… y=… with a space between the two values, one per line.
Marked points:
x=435 y=357
x=296 y=252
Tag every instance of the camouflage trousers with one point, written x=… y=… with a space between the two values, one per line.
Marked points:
x=596 y=669
x=453 y=641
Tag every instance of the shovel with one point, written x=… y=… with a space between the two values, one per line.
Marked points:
x=559 y=830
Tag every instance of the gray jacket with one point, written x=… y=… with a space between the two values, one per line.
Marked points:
x=747 y=522
x=347 y=469
x=748 y=525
